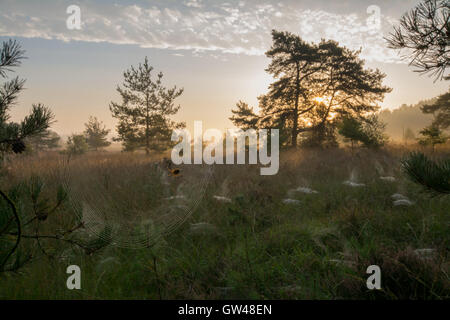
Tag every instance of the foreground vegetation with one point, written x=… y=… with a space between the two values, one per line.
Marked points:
x=242 y=240
x=140 y=228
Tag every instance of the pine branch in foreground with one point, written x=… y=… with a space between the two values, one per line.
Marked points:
x=433 y=176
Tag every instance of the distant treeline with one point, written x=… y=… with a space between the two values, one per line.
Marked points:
x=407 y=116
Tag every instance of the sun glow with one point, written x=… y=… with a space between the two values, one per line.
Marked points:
x=322 y=99
x=319 y=99
x=332 y=115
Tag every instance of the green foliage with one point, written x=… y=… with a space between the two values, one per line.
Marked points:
x=433 y=136
x=46 y=140
x=368 y=131
x=7 y=253
x=433 y=176
x=37 y=122
x=424 y=32
x=9 y=93
x=314 y=84
x=255 y=246
x=441 y=111
x=12 y=134
x=323 y=136
x=77 y=144
x=373 y=129
x=351 y=129
x=96 y=134
x=145 y=110
x=244 y=117
x=11 y=55
x=28 y=207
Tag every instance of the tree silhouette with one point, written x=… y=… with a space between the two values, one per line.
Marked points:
x=374 y=130
x=144 y=111
x=293 y=62
x=433 y=176
x=96 y=133
x=425 y=33
x=244 y=117
x=314 y=84
x=408 y=135
x=77 y=144
x=12 y=135
x=432 y=136
x=12 y=139
x=441 y=111
x=351 y=130
x=46 y=140
x=369 y=131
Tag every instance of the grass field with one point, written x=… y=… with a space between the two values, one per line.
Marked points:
x=242 y=239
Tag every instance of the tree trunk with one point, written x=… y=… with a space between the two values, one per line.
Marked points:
x=297 y=95
x=147 y=128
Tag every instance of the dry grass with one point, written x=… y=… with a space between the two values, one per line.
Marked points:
x=250 y=246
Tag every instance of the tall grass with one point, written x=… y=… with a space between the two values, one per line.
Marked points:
x=254 y=246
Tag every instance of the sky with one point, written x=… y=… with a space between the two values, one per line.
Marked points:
x=212 y=49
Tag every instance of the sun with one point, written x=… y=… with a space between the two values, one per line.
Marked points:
x=332 y=115
x=322 y=100
x=319 y=99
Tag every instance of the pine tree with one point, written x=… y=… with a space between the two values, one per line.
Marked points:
x=96 y=134
x=425 y=32
x=77 y=144
x=13 y=135
x=441 y=110
x=244 y=117
x=46 y=140
x=432 y=136
x=145 y=109
x=369 y=131
x=314 y=84
x=374 y=131
x=293 y=62
x=12 y=139
x=351 y=130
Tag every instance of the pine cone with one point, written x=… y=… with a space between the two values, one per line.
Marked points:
x=42 y=216
x=18 y=146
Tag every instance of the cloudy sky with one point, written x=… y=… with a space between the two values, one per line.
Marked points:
x=214 y=49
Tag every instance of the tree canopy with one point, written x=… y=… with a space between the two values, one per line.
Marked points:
x=77 y=144
x=314 y=84
x=96 y=134
x=369 y=131
x=432 y=136
x=46 y=140
x=441 y=111
x=145 y=110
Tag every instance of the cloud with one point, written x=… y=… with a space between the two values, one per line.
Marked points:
x=235 y=27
